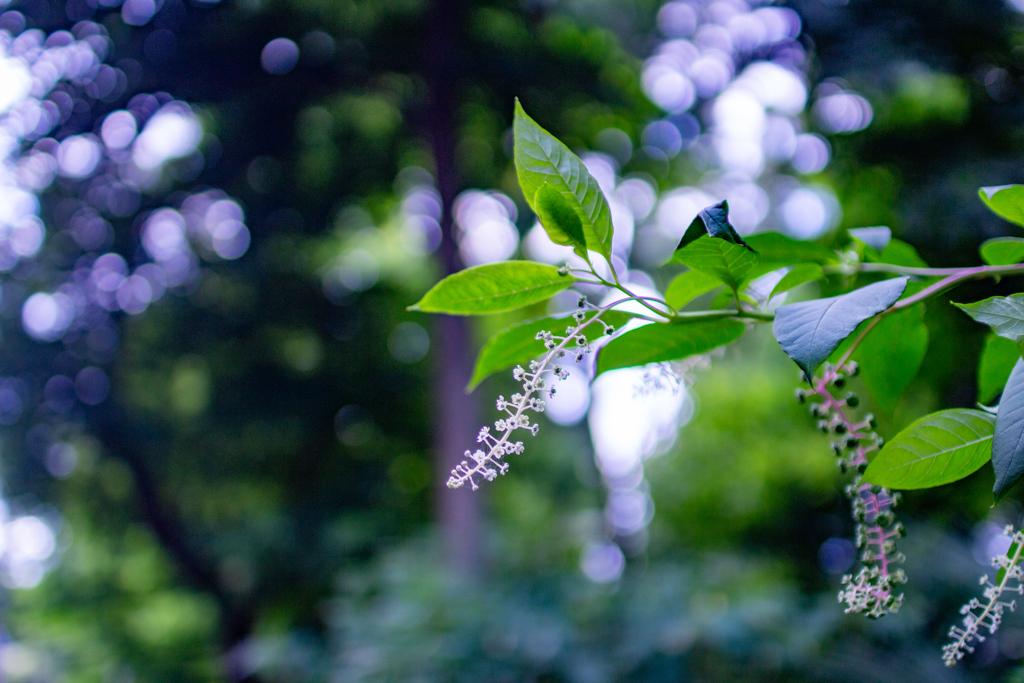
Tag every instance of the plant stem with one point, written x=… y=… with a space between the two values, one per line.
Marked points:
x=979 y=271
x=951 y=277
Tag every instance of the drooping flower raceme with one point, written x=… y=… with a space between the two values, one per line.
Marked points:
x=988 y=615
x=489 y=464
x=872 y=590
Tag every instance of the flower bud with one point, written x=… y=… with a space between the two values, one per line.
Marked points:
x=838 y=381
x=801 y=395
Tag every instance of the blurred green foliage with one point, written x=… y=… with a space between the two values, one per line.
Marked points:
x=290 y=449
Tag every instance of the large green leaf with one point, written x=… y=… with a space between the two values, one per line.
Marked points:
x=493 y=288
x=1004 y=314
x=779 y=250
x=659 y=342
x=720 y=258
x=518 y=344
x=1002 y=251
x=798 y=275
x=937 y=449
x=540 y=159
x=1008 y=444
x=688 y=286
x=891 y=354
x=1006 y=201
x=998 y=357
x=811 y=330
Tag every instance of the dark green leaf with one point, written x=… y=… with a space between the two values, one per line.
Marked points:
x=1004 y=314
x=717 y=257
x=913 y=287
x=877 y=237
x=891 y=354
x=541 y=159
x=714 y=222
x=518 y=344
x=559 y=220
x=659 y=342
x=937 y=449
x=1008 y=444
x=1002 y=251
x=776 y=248
x=688 y=286
x=798 y=275
x=811 y=330
x=899 y=253
x=998 y=357
x=1005 y=200
x=493 y=288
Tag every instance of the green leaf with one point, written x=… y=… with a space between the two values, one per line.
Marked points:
x=727 y=299
x=998 y=357
x=1004 y=314
x=659 y=342
x=1008 y=444
x=1006 y=201
x=937 y=449
x=811 y=330
x=559 y=220
x=712 y=221
x=776 y=248
x=719 y=258
x=891 y=354
x=899 y=253
x=493 y=288
x=688 y=286
x=1002 y=251
x=877 y=237
x=798 y=275
x=1010 y=553
x=518 y=344
x=540 y=159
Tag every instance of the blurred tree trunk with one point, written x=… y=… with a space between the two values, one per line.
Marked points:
x=455 y=413
x=123 y=439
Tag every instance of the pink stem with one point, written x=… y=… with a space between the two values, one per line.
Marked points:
x=875 y=504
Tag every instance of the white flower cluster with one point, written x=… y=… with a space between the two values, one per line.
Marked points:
x=489 y=464
x=988 y=615
x=870 y=591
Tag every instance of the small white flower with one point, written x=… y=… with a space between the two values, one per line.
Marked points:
x=991 y=614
